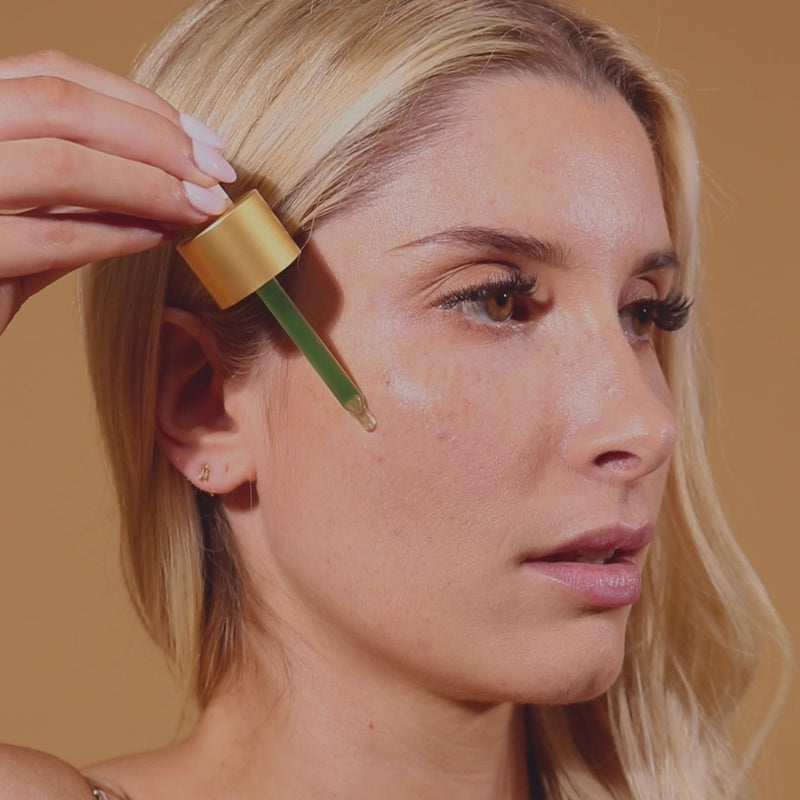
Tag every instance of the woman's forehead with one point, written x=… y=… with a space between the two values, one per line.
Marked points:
x=526 y=153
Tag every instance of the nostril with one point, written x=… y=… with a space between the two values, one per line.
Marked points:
x=615 y=459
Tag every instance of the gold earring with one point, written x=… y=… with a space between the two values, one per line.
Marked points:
x=204 y=473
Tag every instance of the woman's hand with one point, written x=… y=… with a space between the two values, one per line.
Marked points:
x=92 y=166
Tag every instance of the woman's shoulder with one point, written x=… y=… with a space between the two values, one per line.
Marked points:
x=29 y=774
x=32 y=775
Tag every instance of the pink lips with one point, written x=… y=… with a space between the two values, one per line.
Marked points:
x=600 y=566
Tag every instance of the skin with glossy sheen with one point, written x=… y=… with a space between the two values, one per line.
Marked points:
x=404 y=569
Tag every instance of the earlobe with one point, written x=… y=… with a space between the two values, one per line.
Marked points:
x=195 y=429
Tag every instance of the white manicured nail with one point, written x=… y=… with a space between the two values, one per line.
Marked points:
x=220 y=192
x=201 y=132
x=204 y=200
x=212 y=163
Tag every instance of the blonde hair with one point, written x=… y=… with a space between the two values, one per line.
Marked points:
x=317 y=98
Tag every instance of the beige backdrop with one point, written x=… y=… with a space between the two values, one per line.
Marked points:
x=77 y=675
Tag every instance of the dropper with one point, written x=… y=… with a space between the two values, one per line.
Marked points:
x=240 y=254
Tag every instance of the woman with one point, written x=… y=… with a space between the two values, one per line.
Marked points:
x=519 y=585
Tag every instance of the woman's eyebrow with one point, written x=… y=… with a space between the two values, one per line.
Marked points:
x=658 y=260
x=523 y=245
x=495 y=239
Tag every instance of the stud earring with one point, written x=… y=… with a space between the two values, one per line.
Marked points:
x=204 y=473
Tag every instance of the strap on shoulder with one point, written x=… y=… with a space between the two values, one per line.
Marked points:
x=101 y=793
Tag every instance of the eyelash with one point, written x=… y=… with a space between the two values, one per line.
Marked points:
x=668 y=314
x=517 y=287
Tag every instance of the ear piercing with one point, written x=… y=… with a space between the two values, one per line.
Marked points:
x=205 y=471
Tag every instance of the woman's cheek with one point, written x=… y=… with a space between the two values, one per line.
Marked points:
x=443 y=423
x=410 y=394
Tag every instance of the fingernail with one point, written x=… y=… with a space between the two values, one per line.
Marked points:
x=204 y=200
x=195 y=129
x=212 y=163
x=220 y=192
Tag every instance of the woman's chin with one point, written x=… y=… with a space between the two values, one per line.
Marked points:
x=570 y=672
x=576 y=680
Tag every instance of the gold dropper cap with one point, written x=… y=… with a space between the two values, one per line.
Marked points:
x=240 y=251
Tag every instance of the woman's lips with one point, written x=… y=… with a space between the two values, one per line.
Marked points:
x=611 y=585
x=600 y=566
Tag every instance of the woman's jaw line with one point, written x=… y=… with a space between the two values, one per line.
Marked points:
x=255 y=729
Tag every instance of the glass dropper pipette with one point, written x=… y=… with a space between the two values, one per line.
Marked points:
x=240 y=254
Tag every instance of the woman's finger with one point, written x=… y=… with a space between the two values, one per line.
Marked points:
x=38 y=249
x=48 y=172
x=57 y=64
x=46 y=107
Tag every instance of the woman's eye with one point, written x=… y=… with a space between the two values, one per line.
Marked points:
x=667 y=314
x=496 y=301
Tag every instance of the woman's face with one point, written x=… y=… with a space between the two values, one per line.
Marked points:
x=495 y=304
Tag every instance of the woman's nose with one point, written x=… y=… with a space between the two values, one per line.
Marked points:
x=620 y=421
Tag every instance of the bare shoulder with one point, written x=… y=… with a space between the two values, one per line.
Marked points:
x=30 y=775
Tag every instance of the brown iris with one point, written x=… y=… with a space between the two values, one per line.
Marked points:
x=500 y=306
x=643 y=318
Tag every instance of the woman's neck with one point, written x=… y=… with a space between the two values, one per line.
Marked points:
x=322 y=732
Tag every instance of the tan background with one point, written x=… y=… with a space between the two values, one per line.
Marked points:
x=77 y=675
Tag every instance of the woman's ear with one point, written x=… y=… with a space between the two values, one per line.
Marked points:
x=195 y=430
